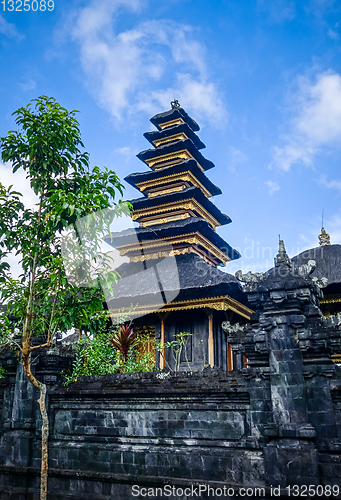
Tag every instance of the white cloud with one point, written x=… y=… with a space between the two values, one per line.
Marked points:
x=333 y=227
x=234 y=156
x=273 y=187
x=201 y=97
x=8 y=29
x=315 y=122
x=127 y=152
x=29 y=84
x=19 y=183
x=130 y=71
x=278 y=10
x=333 y=34
x=333 y=184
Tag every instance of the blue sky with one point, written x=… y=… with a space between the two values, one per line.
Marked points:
x=261 y=77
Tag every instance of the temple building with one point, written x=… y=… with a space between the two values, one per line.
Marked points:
x=172 y=282
x=327 y=258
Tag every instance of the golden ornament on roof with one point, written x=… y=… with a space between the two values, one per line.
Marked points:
x=324 y=238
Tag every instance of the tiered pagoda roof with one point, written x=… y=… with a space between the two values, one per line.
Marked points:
x=175 y=190
x=176 y=217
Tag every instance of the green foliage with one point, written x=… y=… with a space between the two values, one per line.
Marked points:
x=6 y=331
x=96 y=355
x=2 y=372
x=176 y=347
x=47 y=298
x=125 y=339
x=54 y=290
x=47 y=145
x=139 y=359
x=11 y=200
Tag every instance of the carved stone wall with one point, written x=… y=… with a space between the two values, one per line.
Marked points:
x=275 y=423
x=217 y=428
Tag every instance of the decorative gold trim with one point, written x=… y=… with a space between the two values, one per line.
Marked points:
x=159 y=255
x=176 y=137
x=178 y=121
x=332 y=299
x=169 y=218
x=324 y=238
x=182 y=251
x=221 y=303
x=336 y=358
x=189 y=238
x=183 y=176
x=171 y=159
x=190 y=204
x=175 y=189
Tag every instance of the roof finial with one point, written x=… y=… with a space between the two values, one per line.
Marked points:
x=324 y=236
x=282 y=258
x=175 y=104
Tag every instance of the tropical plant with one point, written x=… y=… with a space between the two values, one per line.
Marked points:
x=125 y=339
x=141 y=358
x=176 y=347
x=100 y=355
x=94 y=355
x=50 y=297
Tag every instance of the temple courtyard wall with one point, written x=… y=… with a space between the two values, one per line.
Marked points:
x=112 y=436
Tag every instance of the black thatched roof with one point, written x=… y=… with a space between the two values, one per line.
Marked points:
x=283 y=277
x=177 y=129
x=328 y=265
x=186 y=194
x=174 y=228
x=173 y=114
x=149 y=154
x=187 y=165
x=184 y=277
x=328 y=261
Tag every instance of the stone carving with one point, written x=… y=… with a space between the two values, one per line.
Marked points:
x=228 y=328
x=282 y=258
x=321 y=283
x=307 y=269
x=249 y=277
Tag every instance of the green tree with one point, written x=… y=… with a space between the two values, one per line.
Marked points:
x=48 y=298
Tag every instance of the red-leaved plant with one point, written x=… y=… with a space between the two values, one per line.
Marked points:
x=125 y=339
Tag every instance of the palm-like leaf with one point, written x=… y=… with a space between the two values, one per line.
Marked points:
x=125 y=339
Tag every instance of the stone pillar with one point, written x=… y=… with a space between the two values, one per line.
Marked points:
x=281 y=297
x=291 y=456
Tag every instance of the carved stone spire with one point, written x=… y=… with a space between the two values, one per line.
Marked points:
x=324 y=238
x=282 y=258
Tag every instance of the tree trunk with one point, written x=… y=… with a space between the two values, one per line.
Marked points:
x=26 y=359
x=44 y=443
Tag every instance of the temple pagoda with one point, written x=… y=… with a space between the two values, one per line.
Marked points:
x=172 y=283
